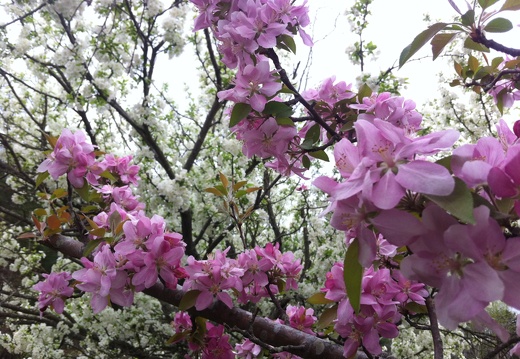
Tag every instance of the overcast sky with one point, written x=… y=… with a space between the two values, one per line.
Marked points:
x=392 y=26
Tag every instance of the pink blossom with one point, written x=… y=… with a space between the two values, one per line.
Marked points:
x=301 y=318
x=472 y=162
x=410 y=291
x=216 y=344
x=102 y=277
x=268 y=139
x=387 y=168
x=247 y=350
x=160 y=260
x=335 y=284
x=396 y=110
x=503 y=178
x=53 y=290
x=71 y=155
x=253 y=85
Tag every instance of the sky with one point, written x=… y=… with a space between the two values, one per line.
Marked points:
x=392 y=26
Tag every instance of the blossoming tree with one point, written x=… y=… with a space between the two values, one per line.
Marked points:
x=425 y=231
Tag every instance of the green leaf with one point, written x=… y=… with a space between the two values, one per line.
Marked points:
x=496 y=62
x=199 y=334
x=454 y=83
x=419 y=41
x=445 y=162
x=473 y=63
x=280 y=283
x=364 y=91
x=482 y=72
x=240 y=193
x=313 y=134
x=468 y=19
x=440 y=41
x=276 y=109
x=114 y=220
x=484 y=4
x=98 y=232
x=91 y=245
x=458 y=68
x=306 y=162
x=327 y=317
x=459 y=203
x=188 y=299
x=177 y=337
x=498 y=25
x=416 y=308
x=289 y=42
x=51 y=257
x=41 y=177
x=511 y=5
x=472 y=45
x=239 y=112
x=511 y=64
x=321 y=155
x=353 y=274
x=319 y=298
x=222 y=189
x=84 y=192
x=59 y=193
x=108 y=175
x=500 y=100
x=285 y=121
x=40 y=212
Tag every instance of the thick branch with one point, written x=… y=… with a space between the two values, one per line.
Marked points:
x=272 y=333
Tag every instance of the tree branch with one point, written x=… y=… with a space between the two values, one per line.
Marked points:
x=434 y=328
x=479 y=37
x=26 y=14
x=270 y=332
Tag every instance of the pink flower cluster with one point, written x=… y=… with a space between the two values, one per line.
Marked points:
x=385 y=161
x=143 y=254
x=252 y=275
x=471 y=264
x=139 y=253
x=76 y=157
x=244 y=27
x=265 y=138
x=384 y=295
x=215 y=345
x=71 y=155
